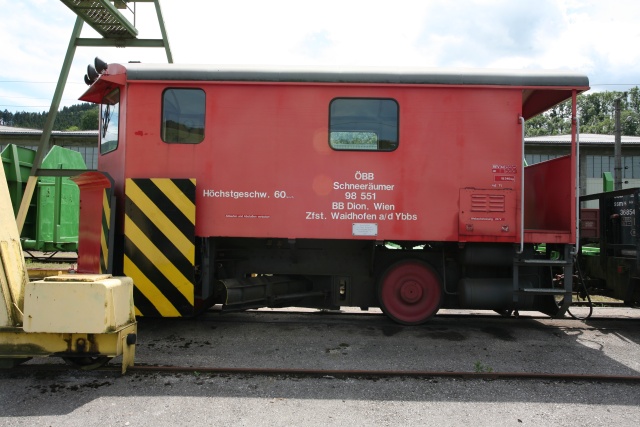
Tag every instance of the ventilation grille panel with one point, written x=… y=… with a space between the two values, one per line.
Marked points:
x=487 y=203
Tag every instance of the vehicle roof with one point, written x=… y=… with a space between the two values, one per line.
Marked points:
x=393 y=75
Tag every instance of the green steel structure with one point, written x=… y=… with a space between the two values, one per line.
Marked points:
x=116 y=31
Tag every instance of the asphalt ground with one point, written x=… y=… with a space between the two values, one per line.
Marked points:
x=453 y=341
x=607 y=344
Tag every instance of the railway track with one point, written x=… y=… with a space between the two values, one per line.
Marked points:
x=333 y=373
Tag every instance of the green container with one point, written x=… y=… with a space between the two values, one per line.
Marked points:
x=17 y=162
x=51 y=223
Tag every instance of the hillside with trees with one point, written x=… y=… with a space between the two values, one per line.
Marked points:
x=596 y=111
x=76 y=117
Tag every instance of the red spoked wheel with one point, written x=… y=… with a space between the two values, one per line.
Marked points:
x=410 y=292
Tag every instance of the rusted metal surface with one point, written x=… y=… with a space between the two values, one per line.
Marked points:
x=41 y=273
x=351 y=373
x=354 y=373
x=17 y=344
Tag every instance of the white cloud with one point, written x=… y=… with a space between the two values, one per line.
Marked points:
x=591 y=36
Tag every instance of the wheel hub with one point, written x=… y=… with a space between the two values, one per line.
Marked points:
x=411 y=292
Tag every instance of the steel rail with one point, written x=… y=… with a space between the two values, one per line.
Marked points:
x=357 y=373
x=330 y=373
x=373 y=373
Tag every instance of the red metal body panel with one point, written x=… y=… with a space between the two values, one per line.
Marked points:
x=265 y=168
x=117 y=78
x=547 y=189
x=488 y=213
x=114 y=163
x=92 y=186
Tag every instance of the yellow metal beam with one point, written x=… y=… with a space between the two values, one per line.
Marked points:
x=15 y=344
x=13 y=272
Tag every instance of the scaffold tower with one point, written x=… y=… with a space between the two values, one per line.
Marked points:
x=117 y=31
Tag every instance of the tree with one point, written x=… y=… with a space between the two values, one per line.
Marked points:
x=596 y=111
x=553 y=122
x=89 y=119
x=65 y=119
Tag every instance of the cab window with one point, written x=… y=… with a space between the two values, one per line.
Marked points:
x=183 y=113
x=109 y=115
x=363 y=124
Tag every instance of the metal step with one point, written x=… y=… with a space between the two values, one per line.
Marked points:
x=543 y=291
x=543 y=262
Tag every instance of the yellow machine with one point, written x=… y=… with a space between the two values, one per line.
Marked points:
x=85 y=319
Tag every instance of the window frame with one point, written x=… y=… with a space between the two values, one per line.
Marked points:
x=203 y=113
x=370 y=129
x=106 y=124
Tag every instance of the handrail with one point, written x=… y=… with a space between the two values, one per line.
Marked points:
x=577 y=247
x=521 y=120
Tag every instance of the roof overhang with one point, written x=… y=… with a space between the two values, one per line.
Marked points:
x=114 y=77
x=539 y=100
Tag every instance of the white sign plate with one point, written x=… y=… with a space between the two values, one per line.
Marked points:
x=364 y=229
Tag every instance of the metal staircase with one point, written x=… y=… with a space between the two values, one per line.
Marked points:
x=561 y=296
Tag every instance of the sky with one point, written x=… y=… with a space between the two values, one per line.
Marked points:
x=598 y=38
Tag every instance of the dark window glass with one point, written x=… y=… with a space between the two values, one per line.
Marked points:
x=183 y=116
x=109 y=115
x=597 y=165
x=363 y=124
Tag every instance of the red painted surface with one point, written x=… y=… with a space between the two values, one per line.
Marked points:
x=590 y=223
x=548 y=196
x=265 y=168
x=116 y=79
x=91 y=185
x=486 y=214
x=410 y=291
x=270 y=144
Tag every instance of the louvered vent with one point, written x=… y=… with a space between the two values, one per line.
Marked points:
x=487 y=203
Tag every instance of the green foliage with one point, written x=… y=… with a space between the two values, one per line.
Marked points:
x=480 y=368
x=89 y=120
x=596 y=111
x=81 y=116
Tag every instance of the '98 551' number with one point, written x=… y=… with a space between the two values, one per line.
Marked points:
x=352 y=195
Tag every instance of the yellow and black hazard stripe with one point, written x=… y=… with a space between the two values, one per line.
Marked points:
x=159 y=248
x=106 y=238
